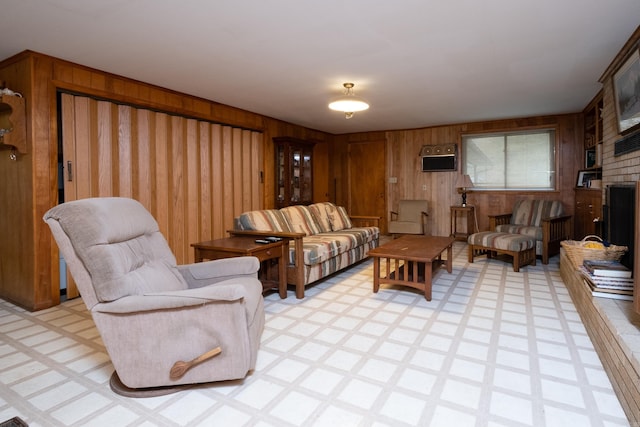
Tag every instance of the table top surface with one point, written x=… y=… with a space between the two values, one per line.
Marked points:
x=414 y=248
x=235 y=243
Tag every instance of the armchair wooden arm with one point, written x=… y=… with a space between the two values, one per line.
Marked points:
x=500 y=219
x=365 y=221
x=554 y=230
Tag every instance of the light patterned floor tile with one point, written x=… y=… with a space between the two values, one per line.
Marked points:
x=493 y=348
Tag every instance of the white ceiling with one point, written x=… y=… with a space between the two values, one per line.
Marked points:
x=418 y=62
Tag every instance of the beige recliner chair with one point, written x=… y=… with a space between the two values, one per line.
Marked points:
x=410 y=218
x=150 y=312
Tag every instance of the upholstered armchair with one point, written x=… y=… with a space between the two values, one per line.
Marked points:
x=150 y=312
x=543 y=220
x=410 y=218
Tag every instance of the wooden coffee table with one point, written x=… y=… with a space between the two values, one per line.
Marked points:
x=410 y=261
x=246 y=246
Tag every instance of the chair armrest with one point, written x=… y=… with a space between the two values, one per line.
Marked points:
x=208 y=272
x=495 y=220
x=365 y=221
x=172 y=299
x=556 y=228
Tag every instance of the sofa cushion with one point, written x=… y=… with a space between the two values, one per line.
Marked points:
x=531 y=212
x=338 y=218
x=324 y=246
x=319 y=212
x=300 y=220
x=264 y=220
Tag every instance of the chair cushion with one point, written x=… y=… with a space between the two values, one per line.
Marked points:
x=531 y=231
x=300 y=219
x=405 y=227
x=120 y=246
x=411 y=210
x=501 y=241
x=263 y=220
x=324 y=246
x=531 y=212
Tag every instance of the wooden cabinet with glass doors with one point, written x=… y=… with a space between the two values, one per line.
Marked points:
x=294 y=172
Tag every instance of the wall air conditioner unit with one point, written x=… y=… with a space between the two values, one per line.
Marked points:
x=437 y=158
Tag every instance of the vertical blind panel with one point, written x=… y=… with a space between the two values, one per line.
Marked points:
x=193 y=176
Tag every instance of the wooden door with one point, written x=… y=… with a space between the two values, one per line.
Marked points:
x=193 y=176
x=367 y=190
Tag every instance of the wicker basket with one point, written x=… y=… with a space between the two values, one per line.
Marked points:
x=577 y=252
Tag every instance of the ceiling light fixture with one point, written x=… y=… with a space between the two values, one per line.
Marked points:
x=349 y=103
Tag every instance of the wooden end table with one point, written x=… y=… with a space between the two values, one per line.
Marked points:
x=468 y=216
x=246 y=246
x=420 y=255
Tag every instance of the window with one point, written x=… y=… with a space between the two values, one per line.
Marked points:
x=511 y=160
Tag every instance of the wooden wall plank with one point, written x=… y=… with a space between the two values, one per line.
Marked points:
x=193 y=189
x=123 y=156
x=205 y=181
x=176 y=161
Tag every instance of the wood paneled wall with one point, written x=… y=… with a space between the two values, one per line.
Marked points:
x=29 y=269
x=192 y=175
x=403 y=164
x=28 y=256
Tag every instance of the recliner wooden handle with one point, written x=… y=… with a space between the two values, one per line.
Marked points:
x=180 y=368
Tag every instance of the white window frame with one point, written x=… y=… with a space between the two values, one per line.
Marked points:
x=473 y=164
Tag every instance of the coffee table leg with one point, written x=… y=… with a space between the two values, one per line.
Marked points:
x=428 y=275
x=449 y=258
x=282 y=272
x=376 y=274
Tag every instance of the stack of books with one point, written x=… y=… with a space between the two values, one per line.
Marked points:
x=608 y=279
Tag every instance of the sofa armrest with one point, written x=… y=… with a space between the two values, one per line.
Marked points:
x=365 y=221
x=495 y=220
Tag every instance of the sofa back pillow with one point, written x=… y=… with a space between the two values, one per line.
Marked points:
x=264 y=220
x=319 y=212
x=300 y=220
x=338 y=218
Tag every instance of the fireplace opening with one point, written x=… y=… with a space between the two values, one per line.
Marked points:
x=620 y=221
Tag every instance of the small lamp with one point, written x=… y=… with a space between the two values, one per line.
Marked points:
x=463 y=183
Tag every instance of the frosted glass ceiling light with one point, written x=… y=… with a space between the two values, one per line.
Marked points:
x=348 y=103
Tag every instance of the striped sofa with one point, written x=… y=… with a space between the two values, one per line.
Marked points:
x=324 y=239
x=542 y=220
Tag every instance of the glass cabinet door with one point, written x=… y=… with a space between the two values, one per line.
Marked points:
x=296 y=166
x=306 y=189
x=281 y=176
x=294 y=174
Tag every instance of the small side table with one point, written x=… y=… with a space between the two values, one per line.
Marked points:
x=469 y=213
x=246 y=246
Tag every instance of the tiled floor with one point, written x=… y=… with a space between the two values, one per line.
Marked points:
x=493 y=348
